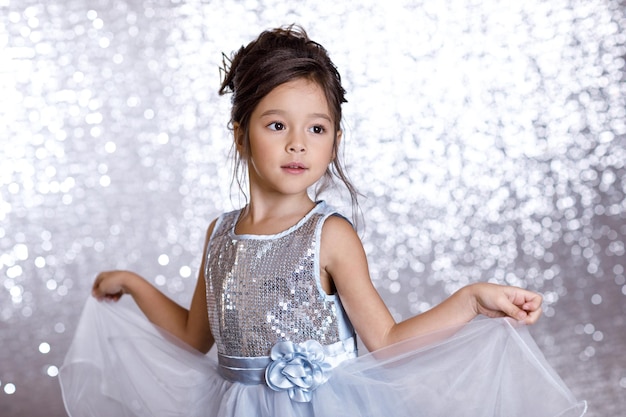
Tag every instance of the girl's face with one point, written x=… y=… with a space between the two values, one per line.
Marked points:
x=291 y=135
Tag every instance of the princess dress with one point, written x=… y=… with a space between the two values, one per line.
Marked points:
x=286 y=348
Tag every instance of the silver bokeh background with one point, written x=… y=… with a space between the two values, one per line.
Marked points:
x=487 y=137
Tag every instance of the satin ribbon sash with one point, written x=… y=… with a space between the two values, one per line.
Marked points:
x=251 y=370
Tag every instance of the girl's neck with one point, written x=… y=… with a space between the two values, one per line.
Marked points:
x=271 y=216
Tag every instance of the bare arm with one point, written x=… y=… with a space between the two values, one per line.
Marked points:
x=191 y=326
x=343 y=260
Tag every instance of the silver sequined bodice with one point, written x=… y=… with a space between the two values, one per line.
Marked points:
x=262 y=289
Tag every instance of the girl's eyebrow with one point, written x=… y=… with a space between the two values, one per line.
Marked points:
x=279 y=112
x=322 y=116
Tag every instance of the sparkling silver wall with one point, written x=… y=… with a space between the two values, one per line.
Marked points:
x=488 y=139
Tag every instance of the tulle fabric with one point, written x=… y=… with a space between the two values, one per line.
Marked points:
x=119 y=364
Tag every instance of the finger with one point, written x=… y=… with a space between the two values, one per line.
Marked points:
x=98 y=294
x=533 y=316
x=517 y=313
x=97 y=281
x=534 y=303
x=510 y=309
x=96 y=289
x=113 y=297
x=525 y=299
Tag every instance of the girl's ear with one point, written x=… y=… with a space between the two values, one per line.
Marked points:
x=239 y=138
x=337 y=143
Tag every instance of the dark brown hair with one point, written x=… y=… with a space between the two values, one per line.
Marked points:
x=274 y=58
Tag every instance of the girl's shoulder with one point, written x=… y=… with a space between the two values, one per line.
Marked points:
x=336 y=225
x=331 y=214
x=336 y=231
x=225 y=222
x=331 y=221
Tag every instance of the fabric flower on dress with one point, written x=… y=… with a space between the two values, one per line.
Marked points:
x=298 y=369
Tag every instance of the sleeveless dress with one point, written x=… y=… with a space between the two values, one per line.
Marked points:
x=283 y=347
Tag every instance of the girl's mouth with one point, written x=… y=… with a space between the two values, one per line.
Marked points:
x=294 y=168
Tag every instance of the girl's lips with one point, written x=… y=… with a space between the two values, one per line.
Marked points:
x=294 y=168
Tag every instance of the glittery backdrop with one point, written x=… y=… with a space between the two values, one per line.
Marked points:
x=487 y=137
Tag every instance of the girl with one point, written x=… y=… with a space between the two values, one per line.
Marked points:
x=284 y=288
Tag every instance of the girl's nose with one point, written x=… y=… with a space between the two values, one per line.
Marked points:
x=296 y=144
x=295 y=148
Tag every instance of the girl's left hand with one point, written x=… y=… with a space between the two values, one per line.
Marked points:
x=494 y=300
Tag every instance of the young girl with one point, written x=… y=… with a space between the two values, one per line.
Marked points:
x=284 y=289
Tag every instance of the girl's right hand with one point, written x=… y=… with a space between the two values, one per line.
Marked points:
x=111 y=285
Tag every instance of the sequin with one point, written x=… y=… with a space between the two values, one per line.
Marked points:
x=265 y=289
x=488 y=138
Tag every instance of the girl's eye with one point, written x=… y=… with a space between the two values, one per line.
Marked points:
x=318 y=129
x=276 y=126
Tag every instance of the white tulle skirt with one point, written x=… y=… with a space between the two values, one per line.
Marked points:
x=120 y=364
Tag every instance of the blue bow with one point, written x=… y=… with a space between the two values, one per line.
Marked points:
x=297 y=368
